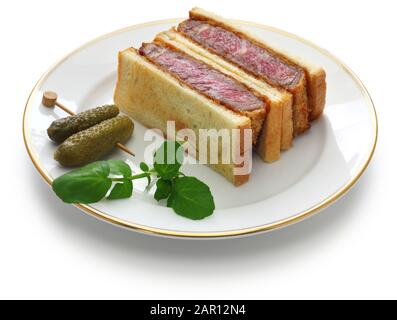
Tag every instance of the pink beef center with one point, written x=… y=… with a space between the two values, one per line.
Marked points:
x=242 y=52
x=203 y=78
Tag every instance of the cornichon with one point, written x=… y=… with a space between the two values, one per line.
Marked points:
x=91 y=144
x=62 y=129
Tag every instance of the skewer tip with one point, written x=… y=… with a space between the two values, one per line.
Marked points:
x=49 y=99
x=125 y=149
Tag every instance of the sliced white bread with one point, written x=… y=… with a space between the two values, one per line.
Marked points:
x=153 y=97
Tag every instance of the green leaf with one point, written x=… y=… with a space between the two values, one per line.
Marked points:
x=88 y=184
x=144 y=167
x=119 y=168
x=164 y=188
x=121 y=190
x=191 y=198
x=168 y=159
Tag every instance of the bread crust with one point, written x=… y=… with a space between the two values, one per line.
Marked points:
x=269 y=145
x=315 y=85
x=300 y=111
x=287 y=131
x=317 y=92
x=152 y=97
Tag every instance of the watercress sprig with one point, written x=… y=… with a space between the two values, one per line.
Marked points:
x=113 y=179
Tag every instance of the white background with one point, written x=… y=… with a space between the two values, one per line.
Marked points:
x=52 y=250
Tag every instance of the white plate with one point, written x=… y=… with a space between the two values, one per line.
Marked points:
x=319 y=169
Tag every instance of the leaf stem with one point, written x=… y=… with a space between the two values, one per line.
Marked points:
x=136 y=177
x=139 y=176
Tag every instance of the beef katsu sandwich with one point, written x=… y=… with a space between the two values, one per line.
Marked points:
x=209 y=74
x=254 y=56
x=158 y=84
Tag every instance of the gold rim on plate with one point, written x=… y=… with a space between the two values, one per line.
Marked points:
x=239 y=232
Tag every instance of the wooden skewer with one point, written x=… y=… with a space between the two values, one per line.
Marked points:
x=50 y=100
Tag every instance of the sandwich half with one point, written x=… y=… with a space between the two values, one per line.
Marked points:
x=303 y=80
x=277 y=131
x=159 y=83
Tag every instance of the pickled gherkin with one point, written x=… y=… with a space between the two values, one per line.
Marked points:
x=62 y=129
x=93 y=143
